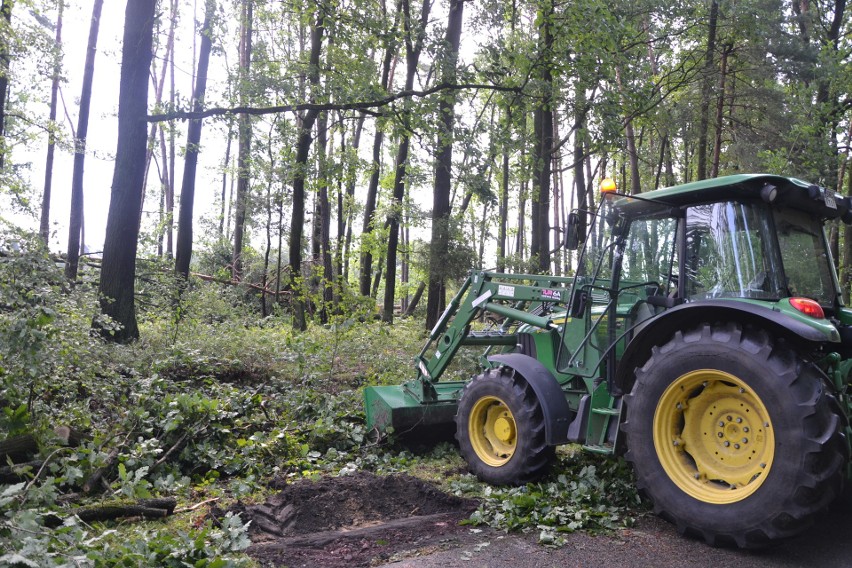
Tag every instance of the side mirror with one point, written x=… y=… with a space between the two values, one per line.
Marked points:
x=574 y=232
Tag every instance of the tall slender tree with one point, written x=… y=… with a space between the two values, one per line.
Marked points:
x=183 y=252
x=244 y=133
x=366 y=258
x=5 y=58
x=414 y=32
x=44 y=223
x=303 y=148
x=76 y=222
x=439 y=248
x=118 y=270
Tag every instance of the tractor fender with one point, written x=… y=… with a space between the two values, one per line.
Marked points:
x=659 y=329
x=554 y=405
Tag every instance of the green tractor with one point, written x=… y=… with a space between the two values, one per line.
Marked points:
x=703 y=337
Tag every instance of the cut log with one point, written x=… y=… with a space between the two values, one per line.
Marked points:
x=18 y=448
x=111 y=512
x=69 y=436
x=146 y=508
x=19 y=471
x=96 y=476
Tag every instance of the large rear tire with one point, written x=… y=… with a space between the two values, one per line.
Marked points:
x=500 y=429
x=734 y=436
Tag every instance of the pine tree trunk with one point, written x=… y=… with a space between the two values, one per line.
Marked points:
x=118 y=270
x=76 y=220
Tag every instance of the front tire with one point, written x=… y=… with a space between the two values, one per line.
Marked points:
x=734 y=436
x=500 y=429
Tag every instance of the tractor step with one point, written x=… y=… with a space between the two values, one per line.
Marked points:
x=607 y=411
x=397 y=407
x=603 y=450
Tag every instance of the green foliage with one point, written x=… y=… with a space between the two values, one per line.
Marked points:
x=584 y=492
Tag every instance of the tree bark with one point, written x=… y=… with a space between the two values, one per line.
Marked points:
x=118 y=269
x=706 y=91
x=183 y=251
x=5 y=58
x=720 y=107
x=303 y=147
x=439 y=248
x=44 y=221
x=347 y=210
x=413 y=46
x=543 y=147
x=244 y=144
x=366 y=260
x=76 y=220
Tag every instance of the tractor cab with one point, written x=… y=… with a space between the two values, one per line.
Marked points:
x=755 y=242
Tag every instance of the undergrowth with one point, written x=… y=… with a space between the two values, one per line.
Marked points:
x=209 y=406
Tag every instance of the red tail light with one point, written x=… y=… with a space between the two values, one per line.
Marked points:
x=808 y=307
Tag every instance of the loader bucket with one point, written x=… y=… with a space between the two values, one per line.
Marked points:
x=395 y=406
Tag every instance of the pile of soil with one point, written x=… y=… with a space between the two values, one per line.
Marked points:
x=356 y=520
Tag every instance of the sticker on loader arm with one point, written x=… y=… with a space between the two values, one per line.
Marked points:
x=554 y=295
x=504 y=290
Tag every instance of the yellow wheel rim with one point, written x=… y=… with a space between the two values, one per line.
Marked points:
x=493 y=432
x=713 y=436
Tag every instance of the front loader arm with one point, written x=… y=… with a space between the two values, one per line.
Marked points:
x=484 y=292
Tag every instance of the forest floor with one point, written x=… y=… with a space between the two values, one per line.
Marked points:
x=401 y=521
x=357 y=520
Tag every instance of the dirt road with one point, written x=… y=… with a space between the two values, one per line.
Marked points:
x=653 y=543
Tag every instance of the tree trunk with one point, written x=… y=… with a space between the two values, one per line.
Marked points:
x=118 y=270
x=366 y=260
x=244 y=151
x=225 y=163
x=303 y=147
x=5 y=58
x=720 y=107
x=158 y=99
x=503 y=223
x=348 y=209
x=44 y=224
x=543 y=147
x=413 y=46
x=324 y=219
x=76 y=220
x=580 y=153
x=183 y=252
x=439 y=248
x=706 y=91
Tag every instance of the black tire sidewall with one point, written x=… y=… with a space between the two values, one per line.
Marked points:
x=499 y=385
x=774 y=496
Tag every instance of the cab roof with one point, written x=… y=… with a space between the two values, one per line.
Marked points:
x=780 y=191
